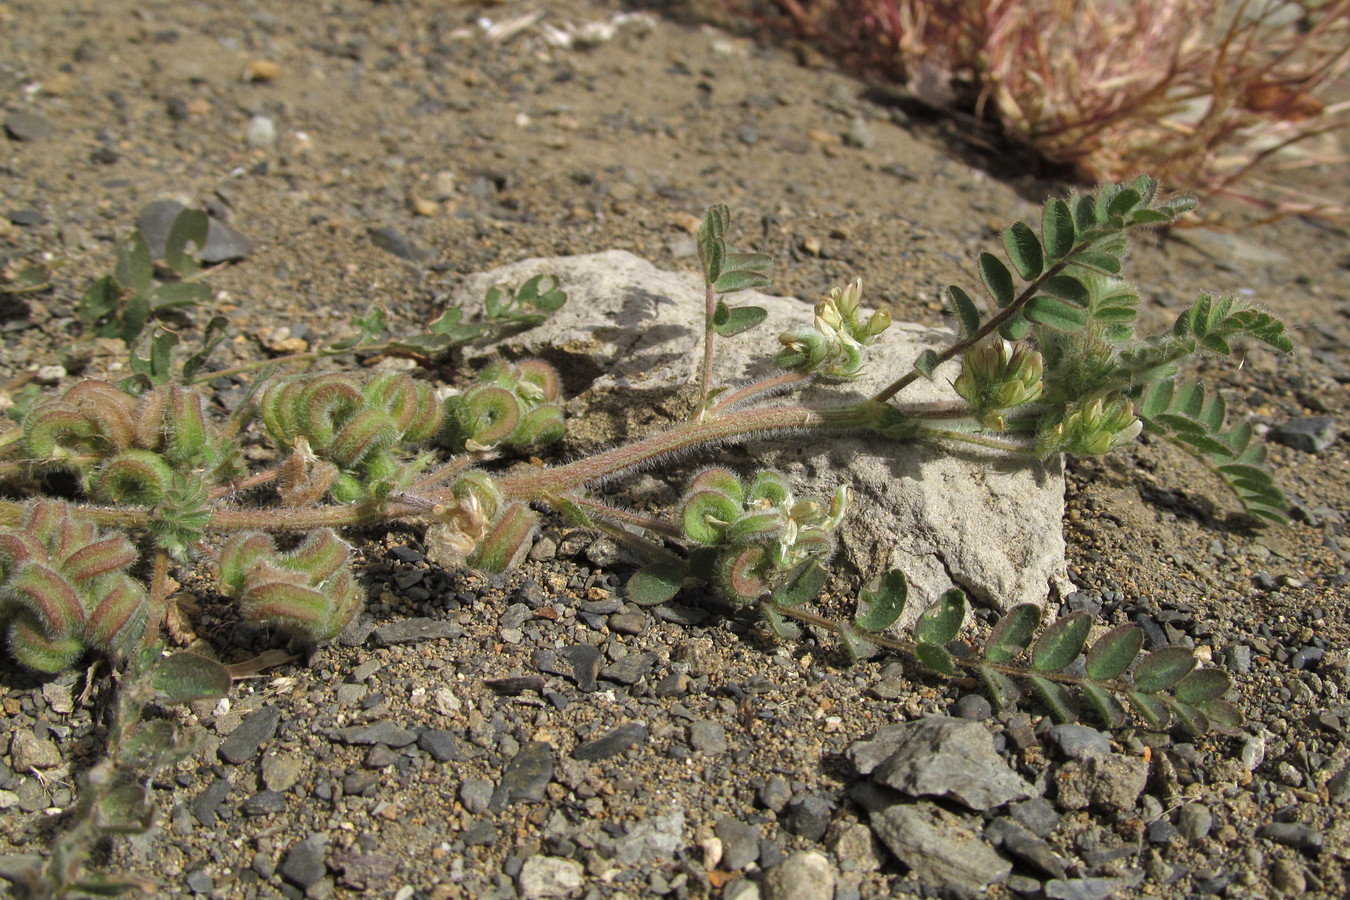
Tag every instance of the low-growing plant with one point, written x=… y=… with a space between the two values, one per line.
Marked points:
x=1208 y=96
x=1049 y=364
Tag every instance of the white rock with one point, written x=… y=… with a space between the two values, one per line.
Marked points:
x=802 y=876
x=549 y=876
x=628 y=347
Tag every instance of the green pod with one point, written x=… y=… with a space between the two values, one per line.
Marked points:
x=150 y=418
x=723 y=481
x=478 y=488
x=508 y=540
x=135 y=477
x=319 y=556
x=112 y=409
x=487 y=415
x=395 y=393
x=57 y=429
x=280 y=409
x=754 y=527
x=428 y=416
x=348 y=489
x=743 y=574
x=366 y=433
x=540 y=426
x=101 y=557
x=40 y=651
x=847 y=362
x=72 y=533
x=18 y=548
x=325 y=404
x=769 y=487
x=185 y=428
x=293 y=608
x=48 y=596
x=346 y=599
x=706 y=515
x=542 y=377
x=240 y=554
x=118 y=613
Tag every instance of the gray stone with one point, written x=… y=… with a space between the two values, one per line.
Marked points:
x=740 y=843
x=28 y=751
x=708 y=737
x=223 y=243
x=281 y=771
x=940 y=848
x=1079 y=741
x=248 y=737
x=264 y=803
x=1292 y=834
x=1018 y=841
x=528 y=772
x=549 y=876
x=440 y=744
x=476 y=794
x=22 y=125
x=382 y=732
x=414 y=631
x=1084 y=888
x=629 y=670
x=585 y=661
x=1112 y=782
x=1311 y=434
x=654 y=838
x=775 y=793
x=391 y=240
x=1194 y=820
x=809 y=816
x=939 y=756
x=802 y=876
x=303 y=864
x=628 y=338
x=613 y=742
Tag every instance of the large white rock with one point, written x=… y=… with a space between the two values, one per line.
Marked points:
x=628 y=346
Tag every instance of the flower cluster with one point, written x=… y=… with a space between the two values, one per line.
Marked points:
x=998 y=376
x=1100 y=423
x=833 y=346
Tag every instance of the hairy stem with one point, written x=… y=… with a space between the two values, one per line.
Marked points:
x=705 y=373
x=776 y=382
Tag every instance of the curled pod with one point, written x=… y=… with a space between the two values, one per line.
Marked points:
x=136 y=477
x=542 y=377
x=508 y=540
x=320 y=555
x=118 y=613
x=101 y=557
x=39 y=650
x=150 y=418
x=744 y=574
x=487 y=415
x=113 y=409
x=477 y=491
x=346 y=598
x=304 y=480
x=428 y=417
x=769 y=487
x=185 y=426
x=395 y=393
x=539 y=426
x=16 y=549
x=755 y=527
x=723 y=481
x=48 y=596
x=348 y=488
x=325 y=404
x=46 y=521
x=240 y=554
x=280 y=409
x=294 y=608
x=366 y=433
x=71 y=534
x=706 y=515
x=56 y=429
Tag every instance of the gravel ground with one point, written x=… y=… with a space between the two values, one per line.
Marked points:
x=540 y=737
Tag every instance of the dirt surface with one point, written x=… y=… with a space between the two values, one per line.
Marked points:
x=483 y=145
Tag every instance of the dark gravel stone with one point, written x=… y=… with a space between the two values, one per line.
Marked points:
x=516 y=615
x=1292 y=834
x=628 y=623
x=27 y=217
x=740 y=843
x=775 y=793
x=973 y=707
x=515 y=685
x=1162 y=831
x=1194 y=820
x=1079 y=741
x=1311 y=434
x=585 y=661
x=303 y=864
x=201 y=882
x=382 y=732
x=476 y=794
x=1037 y=815
x=366 y=871
x=1019 y=842
x=1084 y=888
x=770 y=854
x=264 y=803
x=809 y=817
x=360 y=783
x=414 y=631
x=442 y=745
x=616 y=741
x=22 y=125
x=204 y=808
x=480 y=833
x=708 y=737
x=631 y=669
x=528 y=772
x=223 y=243
x=248 y=737
x=391 y=240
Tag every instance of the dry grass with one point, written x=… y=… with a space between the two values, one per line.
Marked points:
x=1216 y=96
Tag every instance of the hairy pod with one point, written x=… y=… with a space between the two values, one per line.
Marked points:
x=539 y=426
x=137 y=477
x=755 y=527
x=150 y=418
x=56 y=429
x=743 y=574
x=118 y=613
x=40 y=651
x=46 y=520
x=507 y=541
x=71 y=534
x=706 y=515
x=364 y=434
x=396 y=394
x=185 y=431
x=487 y=415
x=320 y=555
x=723 y=481
x=304 y=480
x=48 y=596
x=294 y=608
x=241 y=553
x=101 y=557
x=113 y=409
x=326 y=402
x=279 y=408
x=428 y=418
x=477 y=486
x=345 y=600
x=348 y=489
x=18 y=548
x=542 y=377
x=769 y=487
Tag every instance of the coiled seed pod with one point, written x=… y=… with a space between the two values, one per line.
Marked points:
x=508 y=540
x=706 y=515
x=136 y=477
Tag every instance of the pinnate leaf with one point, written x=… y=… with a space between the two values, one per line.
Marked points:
x=804 y=585
x=1024 y=249
x=1055 y=314
x=998 y=279
x=1060 y=643
x=1056 y=698
x=1162 y=668
x=879 y=605
x=1113 y=652
x=1108 y=708
x=729 y=321
x=184 y=677
x=926 y=363
x=935 y=658
x=966 y=311
x=1013 y=633
x=654 y=584
x=940 y=622
x=1200 y=685
x=1057 y=228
